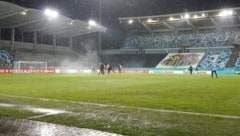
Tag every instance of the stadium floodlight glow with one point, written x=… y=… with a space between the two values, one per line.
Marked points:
x=130 y=21
x=151 y=21
x=51 y=13
x=173 y=19
x=71 y=22
x=24 y=12
x=92 y=23
x=198 y=16
x=203 y=15
x=186 y=16
x=195 y=16
x=225 y=13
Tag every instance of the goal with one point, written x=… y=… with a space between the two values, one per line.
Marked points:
x=30 y=65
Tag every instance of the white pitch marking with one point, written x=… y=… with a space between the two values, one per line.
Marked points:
x=6 y=105
x=44 y=111
x=119 y=106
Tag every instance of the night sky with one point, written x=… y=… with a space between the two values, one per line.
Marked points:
x=113 y=9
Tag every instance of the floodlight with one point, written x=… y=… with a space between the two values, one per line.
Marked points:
x=51 y=13
x=92 y=23
x=186 y=16
x=171 y=18
x=149 y=20
x=225 y=13
x=195 y=16
x=130 y=21
x=71 y=22
x=24 y=12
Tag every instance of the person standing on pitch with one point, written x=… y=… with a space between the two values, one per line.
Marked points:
x=94 y=69
x=190 y=69
x=120 y=68
x=109 y=68
x=102 y=67
x=213 y=68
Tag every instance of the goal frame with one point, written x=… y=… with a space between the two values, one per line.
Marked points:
x=18 y=65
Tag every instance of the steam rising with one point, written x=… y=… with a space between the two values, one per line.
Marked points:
x=81 y=62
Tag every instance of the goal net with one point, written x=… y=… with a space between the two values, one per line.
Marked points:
x=30 y=65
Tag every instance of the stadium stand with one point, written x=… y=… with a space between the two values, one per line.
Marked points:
x=166 y=41
x=237 y=64
x=211 y=32
x=6 y=59
x=221 y=58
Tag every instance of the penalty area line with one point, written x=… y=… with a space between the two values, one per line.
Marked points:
x=129 y=107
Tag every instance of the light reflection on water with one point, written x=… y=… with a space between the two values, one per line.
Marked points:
x=33 y=109
x=6 y=105
x=46 y=111
x=19 y=127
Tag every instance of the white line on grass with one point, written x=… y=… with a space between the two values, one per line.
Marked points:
x=119 y=106
x=44 y=111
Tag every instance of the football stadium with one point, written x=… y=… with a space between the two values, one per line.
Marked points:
x=137 y=68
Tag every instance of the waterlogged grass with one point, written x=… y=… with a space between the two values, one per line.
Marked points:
x=11 y=112
x=191 y=93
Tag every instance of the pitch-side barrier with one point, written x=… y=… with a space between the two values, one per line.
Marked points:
x=126 y=71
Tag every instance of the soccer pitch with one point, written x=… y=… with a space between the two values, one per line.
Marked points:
x=129 y=104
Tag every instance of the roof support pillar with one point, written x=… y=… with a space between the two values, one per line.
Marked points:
x=21 y=36
x=99 y=42
x=54 y=41
x=34 y=40
x=70 y=42
x=41 y=40
x=58 y=39
x=12 y=38
x=0 y=33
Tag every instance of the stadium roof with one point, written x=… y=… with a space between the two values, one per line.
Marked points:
x=202 y=20
x=30 y=20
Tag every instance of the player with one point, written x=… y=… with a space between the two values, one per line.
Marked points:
x=213 y=69
x=120 y=68
x=190 y=69
x=94 y=70
x=102 y=67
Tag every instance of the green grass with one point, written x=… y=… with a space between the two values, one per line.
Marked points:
x=190 y=93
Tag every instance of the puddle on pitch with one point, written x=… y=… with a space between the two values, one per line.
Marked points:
x=21 y=127
x=33 y=109
x=6 y=105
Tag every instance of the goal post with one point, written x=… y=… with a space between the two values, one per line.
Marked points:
x=18 y=65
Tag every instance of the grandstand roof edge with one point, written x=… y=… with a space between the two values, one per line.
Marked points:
x=175 y=14
x=26 y=19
